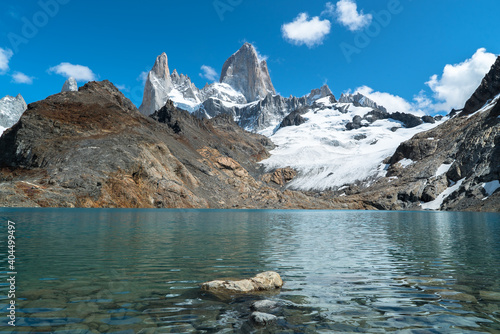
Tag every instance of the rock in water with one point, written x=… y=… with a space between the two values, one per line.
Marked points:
x=263 y=319
x=245 y=73
x=70 y=85
x=266 y=281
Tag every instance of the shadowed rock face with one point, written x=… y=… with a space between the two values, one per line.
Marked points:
x=244 y=72
x=489 y=88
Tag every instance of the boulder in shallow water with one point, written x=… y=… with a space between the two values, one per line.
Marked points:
x=263 y=319
x=266 y=281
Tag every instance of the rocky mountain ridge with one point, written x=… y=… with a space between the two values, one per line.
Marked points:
x=93 y=148
x=454 y=166
x=245 y=91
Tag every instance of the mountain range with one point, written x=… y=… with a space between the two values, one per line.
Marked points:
x=237 y=143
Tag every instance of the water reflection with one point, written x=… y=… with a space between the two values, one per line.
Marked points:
x=139 y=270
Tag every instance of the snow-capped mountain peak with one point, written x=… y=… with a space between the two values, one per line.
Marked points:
x=11 y=109
x=70 y=85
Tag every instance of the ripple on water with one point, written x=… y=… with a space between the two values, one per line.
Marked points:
x=370 y=272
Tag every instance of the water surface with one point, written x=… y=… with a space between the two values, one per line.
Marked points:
x=139 y=271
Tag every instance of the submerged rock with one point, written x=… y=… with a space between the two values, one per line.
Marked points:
x=266 y=281
x=263 y=319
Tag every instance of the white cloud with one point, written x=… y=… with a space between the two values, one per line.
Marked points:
x=79 y=72
x=143 y=77
x=123 y=88
x=22 y=78
x=5 y=55
x=348 y=15
x=329 y=10
x=209 y=73
x=306 y=31
x=393 y=103
x=458 y=82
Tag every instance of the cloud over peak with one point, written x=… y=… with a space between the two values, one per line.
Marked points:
x=22 y=78
x=208 y=73
x=5 y=55
x=459 y=81
x=306 y=31
x=79 y=72
x=348 y=15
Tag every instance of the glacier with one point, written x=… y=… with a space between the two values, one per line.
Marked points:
x=328 y=156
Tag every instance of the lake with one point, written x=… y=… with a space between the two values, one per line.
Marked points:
x=139 y=271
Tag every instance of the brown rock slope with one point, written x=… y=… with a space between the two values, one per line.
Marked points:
x=92 y=148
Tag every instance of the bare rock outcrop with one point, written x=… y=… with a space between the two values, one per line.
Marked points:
x=266 y=281
x=246 y=73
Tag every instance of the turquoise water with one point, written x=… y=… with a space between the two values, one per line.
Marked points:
x=138 y=271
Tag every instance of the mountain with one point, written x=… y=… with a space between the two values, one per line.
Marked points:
x=487 y=91
x=454 y=166
x=335 y=144
x=11 y=109
x=359 y=100
x=245 y=91
x=247 y=74
x=93 y=148
x=70 y=85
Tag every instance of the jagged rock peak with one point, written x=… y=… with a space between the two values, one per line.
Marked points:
x=489 y=88
x=360 y=100
x=246 y=73
x=158 y=85
x=319 y=93
x=70 y=85
x=160 y=68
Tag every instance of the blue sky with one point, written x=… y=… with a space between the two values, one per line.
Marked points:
x=394 y=47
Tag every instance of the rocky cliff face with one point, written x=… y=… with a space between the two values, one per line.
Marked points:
x=247 y=74
x=93 y=148
x=489 y=88
x=158 y=86
x=70 y=85
x=11 y=109
x=455 y=166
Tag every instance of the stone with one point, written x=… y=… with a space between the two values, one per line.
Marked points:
x=266 y=306
x=263 y=319
x=490 y=295
x=266 y=281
